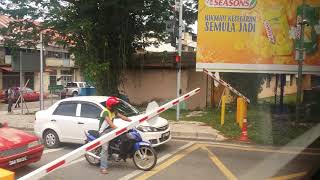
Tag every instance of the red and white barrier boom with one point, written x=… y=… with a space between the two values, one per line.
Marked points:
x=54 y=165
x=226 y=85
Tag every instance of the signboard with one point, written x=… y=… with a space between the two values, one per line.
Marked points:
x=258 y=36
x=30 y=62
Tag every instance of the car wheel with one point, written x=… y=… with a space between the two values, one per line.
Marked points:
x=75 y=93
x=51 y=139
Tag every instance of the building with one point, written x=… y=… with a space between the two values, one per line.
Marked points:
x=59 y=65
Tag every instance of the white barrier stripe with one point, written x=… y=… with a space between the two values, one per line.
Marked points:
x=226 y=85
x=75 y=154
x=55 y=166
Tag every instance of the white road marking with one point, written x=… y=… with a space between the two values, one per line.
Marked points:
x=51 y=150
x=160 y=160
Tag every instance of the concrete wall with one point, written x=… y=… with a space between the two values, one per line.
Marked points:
x=143 y=86
x=46 y=81
x=56 y=62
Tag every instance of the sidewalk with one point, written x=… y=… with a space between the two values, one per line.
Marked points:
x=179 y=130
x=194 y=131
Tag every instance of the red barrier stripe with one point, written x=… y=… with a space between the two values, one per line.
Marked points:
x=205 y=70
x=185 y=97
x=176 y=102
x=121 y=131
x=197 y=90
x=143 y=119
x=160 y=110
x=93 y=146
x=56 y=166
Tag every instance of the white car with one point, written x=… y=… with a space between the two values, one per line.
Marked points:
x=68 y=119
x=73 y=88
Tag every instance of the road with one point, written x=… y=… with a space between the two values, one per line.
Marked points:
x=194 y=160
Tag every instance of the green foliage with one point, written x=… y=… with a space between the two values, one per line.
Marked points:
x=102 y=34
x=249 y=84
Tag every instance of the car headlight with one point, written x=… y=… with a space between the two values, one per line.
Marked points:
x=34 y=143
x=147 y=129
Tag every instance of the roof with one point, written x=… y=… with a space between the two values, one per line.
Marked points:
x=4 y=21
x=94 y=99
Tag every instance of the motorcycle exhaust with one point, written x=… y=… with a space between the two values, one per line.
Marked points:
x=93 y=155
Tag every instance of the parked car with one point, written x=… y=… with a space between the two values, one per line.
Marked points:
x=18 y=148
x=28 y=95
x=73 y=89
x=68 y=119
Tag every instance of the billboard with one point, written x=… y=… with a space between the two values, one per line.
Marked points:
x=258 y=36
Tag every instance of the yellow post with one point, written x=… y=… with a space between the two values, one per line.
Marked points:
x=6 y=175
x=223 y=108
x=241 y=112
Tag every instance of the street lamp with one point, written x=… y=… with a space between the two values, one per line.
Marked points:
x=179 y=53
x=41 y=72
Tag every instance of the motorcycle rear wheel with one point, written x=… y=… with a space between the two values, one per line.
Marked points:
x=92 y=160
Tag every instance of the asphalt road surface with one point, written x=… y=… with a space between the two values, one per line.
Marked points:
x=194 y=160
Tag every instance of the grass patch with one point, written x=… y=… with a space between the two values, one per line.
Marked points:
x=287 y=99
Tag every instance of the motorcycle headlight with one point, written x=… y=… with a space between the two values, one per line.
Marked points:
x=147 y=129
x=34 y=143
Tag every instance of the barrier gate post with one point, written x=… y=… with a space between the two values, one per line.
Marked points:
x=56 y=164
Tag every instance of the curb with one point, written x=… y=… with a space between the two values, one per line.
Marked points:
x=22 y=128
x=195 y=139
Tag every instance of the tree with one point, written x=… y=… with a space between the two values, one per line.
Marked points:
x=249 y=84
x=102 y=34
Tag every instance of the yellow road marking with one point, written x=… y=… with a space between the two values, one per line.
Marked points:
x=290 y=176
x=167 y=163
x=263 y=150
x=220 y=165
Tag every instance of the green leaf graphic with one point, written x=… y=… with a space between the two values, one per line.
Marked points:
x=253 y=3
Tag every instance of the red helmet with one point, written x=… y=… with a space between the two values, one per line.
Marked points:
x=111 y=102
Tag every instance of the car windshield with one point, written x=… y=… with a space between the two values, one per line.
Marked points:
x=124 y=108
x=28 y=90
x=71 y=85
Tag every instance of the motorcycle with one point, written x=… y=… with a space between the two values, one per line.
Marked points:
x=143 y=155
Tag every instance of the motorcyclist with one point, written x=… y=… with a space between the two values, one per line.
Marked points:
x=106 y=125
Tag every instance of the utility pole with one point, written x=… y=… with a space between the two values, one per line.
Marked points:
x=300 y=53
x=21 y=82
x=41 y=73
x=179 y=53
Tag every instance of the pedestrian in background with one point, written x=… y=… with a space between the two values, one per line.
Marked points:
x=10 y=98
